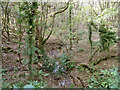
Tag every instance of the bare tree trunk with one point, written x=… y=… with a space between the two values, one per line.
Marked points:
x=20 y=38
x=119 y=42
x=40 y=31
x=7 y=21
x=0 y=50
x=70 y=25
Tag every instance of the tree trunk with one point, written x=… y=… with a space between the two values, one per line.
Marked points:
x=70 y=26
x=0 y=50
x=20 y=37
x=30 y=39
x=7 y=21
x=119 y=39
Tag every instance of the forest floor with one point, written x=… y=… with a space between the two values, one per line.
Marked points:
x=15 y=71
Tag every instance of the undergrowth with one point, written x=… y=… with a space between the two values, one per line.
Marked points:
x=105 y=79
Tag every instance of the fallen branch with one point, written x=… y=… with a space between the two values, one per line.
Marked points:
x=81 y=82
x=12 y=69
x=101 y=59
x=88 y=67
x=73 y=80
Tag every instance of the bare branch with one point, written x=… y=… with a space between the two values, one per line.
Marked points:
x=60 y=11
x=53 y=17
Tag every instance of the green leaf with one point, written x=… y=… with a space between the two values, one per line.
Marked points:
x=72 y=86
x=14 y=86
x=29 y=86
x=46 y=74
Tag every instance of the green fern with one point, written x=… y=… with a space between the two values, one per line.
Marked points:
x=107 y=37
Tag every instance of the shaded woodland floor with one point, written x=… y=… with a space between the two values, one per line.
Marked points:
x=16 y=72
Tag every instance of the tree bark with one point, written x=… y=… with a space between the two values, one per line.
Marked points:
x=119 y=41
x=30 y=39
x=70 y=25
x=0 y=50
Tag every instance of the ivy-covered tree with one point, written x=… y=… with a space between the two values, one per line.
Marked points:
x=30 y=13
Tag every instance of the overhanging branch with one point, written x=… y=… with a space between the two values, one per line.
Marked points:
x=53 y=17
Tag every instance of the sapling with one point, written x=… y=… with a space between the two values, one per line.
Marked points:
x=90 y=36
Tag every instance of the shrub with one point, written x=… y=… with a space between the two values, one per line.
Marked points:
x=33 y=84
x=105 y=79
x=58 y=65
